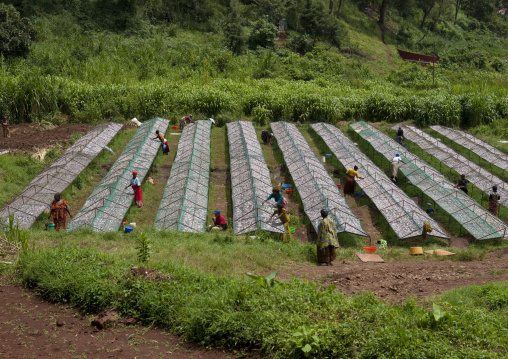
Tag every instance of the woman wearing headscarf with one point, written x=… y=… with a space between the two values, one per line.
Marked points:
x=494 y=198
x=136 y=186
x=349 y=187
x=327 y=242
x=278 y=198
x=59 y=210
x=218 y=222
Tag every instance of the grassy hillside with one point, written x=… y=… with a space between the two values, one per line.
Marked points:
x=156 y=65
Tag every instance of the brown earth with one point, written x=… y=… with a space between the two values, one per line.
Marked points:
x=396 y=281
x=33 y=328
x=27 y=137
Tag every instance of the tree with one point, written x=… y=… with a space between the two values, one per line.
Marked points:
x=458 y=3
x=426 y=6
x=482 y=10
x=16 y=33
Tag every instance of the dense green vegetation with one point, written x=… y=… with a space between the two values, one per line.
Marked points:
x=95 y=60
x=220 y=59
x=284 y=319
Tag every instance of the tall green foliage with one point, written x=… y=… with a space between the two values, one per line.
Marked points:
x=16 y=33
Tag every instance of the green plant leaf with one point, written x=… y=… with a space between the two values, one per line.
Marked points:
x=438 y=312
x=307 y=348
x=258 y=278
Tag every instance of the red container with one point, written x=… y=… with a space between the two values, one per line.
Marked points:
x=289 y=190
x=175 y=128
x=370 y=249
x=339 y=186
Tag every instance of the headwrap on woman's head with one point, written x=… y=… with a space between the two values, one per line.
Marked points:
x=134 y=173
x=397 y=155
x=217 y=212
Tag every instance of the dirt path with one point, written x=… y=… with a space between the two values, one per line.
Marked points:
x=33 y=328
x=397 y=281
x=28 y=137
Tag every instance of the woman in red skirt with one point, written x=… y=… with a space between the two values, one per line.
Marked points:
x=136 y=186
x=349 y=187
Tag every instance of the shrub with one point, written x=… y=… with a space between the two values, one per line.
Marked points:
x=263 y=34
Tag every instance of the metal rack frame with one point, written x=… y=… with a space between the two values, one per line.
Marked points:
x=250 y=181
x=467 y=212
x=401 y=212
x=38 y=195
x=478 y=176
x=314 y=184
x=106 y=207
x=185 y=202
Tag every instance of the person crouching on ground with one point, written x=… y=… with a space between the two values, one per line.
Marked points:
x=284 y=218
x=136 y=186
x=266 y=136
x=59 y=210
x=218 y=222
x=349 y=186
x=327 y=242
x=278 y=198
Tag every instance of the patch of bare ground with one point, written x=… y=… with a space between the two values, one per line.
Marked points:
x=396 y=281
x=33 y=328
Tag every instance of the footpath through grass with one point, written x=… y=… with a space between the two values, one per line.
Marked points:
x=279 y=319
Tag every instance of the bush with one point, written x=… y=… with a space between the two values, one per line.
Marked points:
x=498 y=64
x=263 y=34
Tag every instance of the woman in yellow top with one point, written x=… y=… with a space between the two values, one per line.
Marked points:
x=284 y=217
x=349 y=187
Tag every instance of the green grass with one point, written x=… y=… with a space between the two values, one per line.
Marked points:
x=285 y=319
x=16 y=172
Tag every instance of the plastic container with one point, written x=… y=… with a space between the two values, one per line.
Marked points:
x=175 y=128
x=51 y=227
x=284 y=186
x=292 y=230
x=359 y=194
x=133 y=224
x=339 y=186
x=128 y=229
x=323 y=159
x=370 y=249
x=289 y=190
x=328 y=155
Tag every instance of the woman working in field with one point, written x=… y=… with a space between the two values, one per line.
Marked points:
x=59 y=210
x=284 y=218
x=136 y=186
x=278 y=197
x=349 y=187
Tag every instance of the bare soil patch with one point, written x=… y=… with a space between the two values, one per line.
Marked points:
x=396 y=281
x=33 y=328
x=27 y=137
